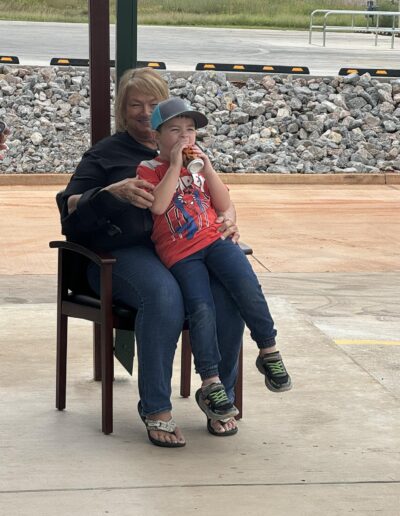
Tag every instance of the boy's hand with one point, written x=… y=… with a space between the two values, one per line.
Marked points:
x=208 y=168
x=176 y=159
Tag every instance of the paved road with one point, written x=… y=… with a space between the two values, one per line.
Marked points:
x=182 y=47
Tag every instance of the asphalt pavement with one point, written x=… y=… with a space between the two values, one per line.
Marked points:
x=181 y=48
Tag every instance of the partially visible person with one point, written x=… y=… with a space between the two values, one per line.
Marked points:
x=4 y=132
x=187 y=240
x=106 y=207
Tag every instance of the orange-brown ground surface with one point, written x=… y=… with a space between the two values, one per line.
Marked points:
x=291 y=228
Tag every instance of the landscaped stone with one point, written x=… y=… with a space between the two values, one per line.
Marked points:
x=280 y=124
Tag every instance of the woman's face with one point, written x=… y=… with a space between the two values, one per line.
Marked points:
x=138 y=112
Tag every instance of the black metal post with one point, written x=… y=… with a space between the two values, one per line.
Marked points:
x=99 y=68
x=126 y=37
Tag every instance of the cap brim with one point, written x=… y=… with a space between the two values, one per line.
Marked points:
x=200 y=119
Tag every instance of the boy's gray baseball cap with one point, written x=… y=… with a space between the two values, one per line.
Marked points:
x=173 y=107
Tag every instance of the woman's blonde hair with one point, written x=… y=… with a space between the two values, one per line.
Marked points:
x=145 y=81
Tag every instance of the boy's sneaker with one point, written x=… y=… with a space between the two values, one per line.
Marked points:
x=215 y=403
x=272 y=367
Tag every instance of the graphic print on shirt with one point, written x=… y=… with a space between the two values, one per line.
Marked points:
x=188 y=211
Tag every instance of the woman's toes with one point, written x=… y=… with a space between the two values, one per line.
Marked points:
x=157 y=435
x=218 y=427
x=224 y=427
x=231 y=424
x=179 y=435
x=166 y=437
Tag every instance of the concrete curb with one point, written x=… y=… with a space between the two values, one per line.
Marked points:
x=392 y=178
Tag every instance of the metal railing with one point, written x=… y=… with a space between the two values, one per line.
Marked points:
x=376 y=28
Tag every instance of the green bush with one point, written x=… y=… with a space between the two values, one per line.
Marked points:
x=293 y=14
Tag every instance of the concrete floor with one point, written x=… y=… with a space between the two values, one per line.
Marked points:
x=327 y=257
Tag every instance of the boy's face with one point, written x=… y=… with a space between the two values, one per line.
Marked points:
x=178 y=129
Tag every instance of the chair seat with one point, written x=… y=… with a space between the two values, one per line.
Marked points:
x=120 y=311
x=94 y=302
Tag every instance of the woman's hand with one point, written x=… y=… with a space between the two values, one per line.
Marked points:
x=4 y=147
x=134 y=190
x=228 y=228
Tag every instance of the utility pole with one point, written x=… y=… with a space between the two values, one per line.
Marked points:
x=126 y=37
x=99 y=69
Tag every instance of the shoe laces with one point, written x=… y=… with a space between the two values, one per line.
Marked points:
x=276 y=367
x=218 y=397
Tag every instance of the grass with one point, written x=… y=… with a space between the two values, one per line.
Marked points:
x=290 y=14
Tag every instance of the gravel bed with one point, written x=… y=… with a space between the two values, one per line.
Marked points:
x=275 y=124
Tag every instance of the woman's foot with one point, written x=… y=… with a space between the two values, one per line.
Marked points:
x=165 y=437
x=162 y=429
x=220 y=428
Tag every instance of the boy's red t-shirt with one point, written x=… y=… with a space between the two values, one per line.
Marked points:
x=188 y=224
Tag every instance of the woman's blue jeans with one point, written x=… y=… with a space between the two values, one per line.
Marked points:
x=141 y=281
x=226 y=261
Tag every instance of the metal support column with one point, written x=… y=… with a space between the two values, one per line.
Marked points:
x=99 y=68
x=126 y=37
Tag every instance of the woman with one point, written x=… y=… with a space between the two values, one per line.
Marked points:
x=105 y=206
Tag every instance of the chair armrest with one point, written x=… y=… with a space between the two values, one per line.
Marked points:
x=245 y=248
x=99 y=258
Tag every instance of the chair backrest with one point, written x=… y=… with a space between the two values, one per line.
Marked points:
x=74 y=265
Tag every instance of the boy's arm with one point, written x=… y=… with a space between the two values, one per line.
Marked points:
x=164 y=191
x=227 y=214
x=219 y=193
x=230 y=213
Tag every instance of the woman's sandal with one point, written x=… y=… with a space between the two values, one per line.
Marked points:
x=158 y=425
x=226 y=433
x=210 y=428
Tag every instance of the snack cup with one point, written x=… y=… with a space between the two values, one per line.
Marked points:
x=192 y=163
x=195 y=166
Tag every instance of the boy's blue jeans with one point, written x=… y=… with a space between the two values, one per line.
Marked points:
x=227 y=262
x=141 y=281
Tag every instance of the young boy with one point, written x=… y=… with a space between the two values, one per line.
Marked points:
x=188 y=243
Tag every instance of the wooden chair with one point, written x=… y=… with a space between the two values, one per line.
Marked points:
x=76 y=299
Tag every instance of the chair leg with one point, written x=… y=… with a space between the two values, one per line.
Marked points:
x=239 y=386
x=61 y=361
x=107 y=376
x=186 y=364
x=96 y=352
